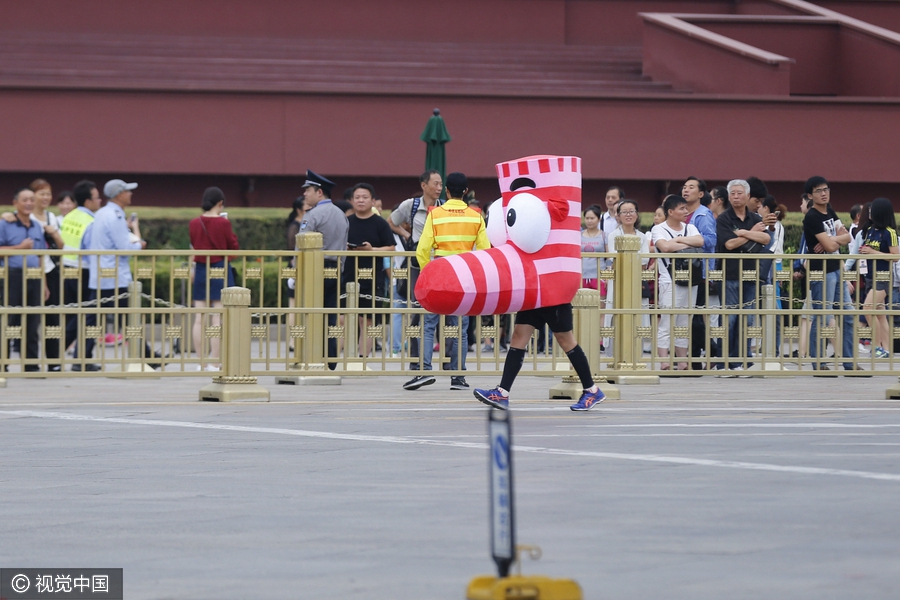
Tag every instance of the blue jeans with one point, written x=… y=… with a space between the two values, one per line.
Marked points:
x=431 y=325
x=833 y=300
x=397 y=322
x=734 y=298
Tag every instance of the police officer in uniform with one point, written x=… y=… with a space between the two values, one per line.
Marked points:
x=324 y=217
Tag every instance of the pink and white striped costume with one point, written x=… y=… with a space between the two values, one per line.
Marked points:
x=535 y=229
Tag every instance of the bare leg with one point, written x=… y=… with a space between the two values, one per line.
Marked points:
x=663 y=353
x=681 y=352
x=803 y=346
x=215 y=343
x=566 y=340
x=521 y=335
x=197 y=331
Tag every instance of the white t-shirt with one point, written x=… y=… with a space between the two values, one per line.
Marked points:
x=645 y=242
x=52 y=219
x=664 y=232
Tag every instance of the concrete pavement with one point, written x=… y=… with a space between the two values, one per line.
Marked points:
x=695 y=488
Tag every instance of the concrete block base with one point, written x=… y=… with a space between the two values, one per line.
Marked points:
x=234 y=392
x=323 y=380
x=635 y=380
x=893 y=392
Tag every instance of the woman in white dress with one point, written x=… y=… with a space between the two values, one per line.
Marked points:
x=629 y=214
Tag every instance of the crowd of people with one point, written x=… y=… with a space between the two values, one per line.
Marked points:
x=743 y=219
x=740 y=219
x=85 y=224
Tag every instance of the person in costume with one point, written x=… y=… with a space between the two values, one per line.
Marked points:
x=534 y=268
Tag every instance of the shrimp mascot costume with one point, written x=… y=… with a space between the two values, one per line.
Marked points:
x=535 y=231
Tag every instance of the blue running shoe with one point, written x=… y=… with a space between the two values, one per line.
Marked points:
x=492 y=398
x=881 y=353
x=588 y=400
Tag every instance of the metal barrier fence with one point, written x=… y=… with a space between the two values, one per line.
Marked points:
x=752 y=316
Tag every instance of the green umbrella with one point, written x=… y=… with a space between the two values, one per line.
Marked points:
x=435 y=137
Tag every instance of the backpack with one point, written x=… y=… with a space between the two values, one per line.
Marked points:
x=410 y=246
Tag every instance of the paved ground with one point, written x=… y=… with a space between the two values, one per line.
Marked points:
x=696 y=489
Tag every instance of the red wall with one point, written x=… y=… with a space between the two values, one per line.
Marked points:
x=696 y=65
x=816 y=48
x=883 y=13
x=627 y=138
x=508 y=21
x=861 y=55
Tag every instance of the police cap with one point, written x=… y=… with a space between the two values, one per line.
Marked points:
x=313 y=178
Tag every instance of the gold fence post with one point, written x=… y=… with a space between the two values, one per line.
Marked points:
x=235 y=382
x=771 y=356
x=134 y=332
x=351 y=329
x=628 y=347
x=309 y=292
x=588 y=319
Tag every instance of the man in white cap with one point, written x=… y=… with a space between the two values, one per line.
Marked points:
x=113 y=230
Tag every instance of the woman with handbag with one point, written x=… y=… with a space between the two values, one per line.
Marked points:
x=49 y=222
x=210 y=231
x=673 y=235
x=628 y=215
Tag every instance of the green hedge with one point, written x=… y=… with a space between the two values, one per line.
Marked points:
x=252 y=234
x=181 y=291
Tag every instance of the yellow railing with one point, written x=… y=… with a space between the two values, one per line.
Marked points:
x=624 y=335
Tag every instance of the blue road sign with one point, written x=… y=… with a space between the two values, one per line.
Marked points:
x=503 y=534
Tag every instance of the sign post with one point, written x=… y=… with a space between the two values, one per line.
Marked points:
x=503 y=531
x=503 y=515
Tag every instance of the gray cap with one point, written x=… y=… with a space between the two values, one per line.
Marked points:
x=114 y=187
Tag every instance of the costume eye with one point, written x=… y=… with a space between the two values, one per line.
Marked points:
x=496 y=223
x=528 y=222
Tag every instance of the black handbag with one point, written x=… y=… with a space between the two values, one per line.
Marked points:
x=764 y=265
x=694 y=264
x=410 y=246
x=408 y=261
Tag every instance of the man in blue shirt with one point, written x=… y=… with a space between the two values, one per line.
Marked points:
x=25 y=234
x=113 y=230
x=704 y=220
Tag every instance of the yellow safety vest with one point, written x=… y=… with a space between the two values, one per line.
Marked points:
x=455 y=231
x=72 y=231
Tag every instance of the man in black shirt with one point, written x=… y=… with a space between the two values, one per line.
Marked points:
x=737 y=231
x=825 y=234
x=367 y=232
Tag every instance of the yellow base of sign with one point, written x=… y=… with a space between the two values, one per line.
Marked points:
x=517 y=587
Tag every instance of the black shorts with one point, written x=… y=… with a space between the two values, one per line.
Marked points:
x=882 y=286
x=558 y=318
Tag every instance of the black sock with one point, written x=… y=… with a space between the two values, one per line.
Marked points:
x=515 y=358
x=582 y=367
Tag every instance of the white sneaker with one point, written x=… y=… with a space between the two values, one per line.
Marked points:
x=732 y=373
x=212 y=368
